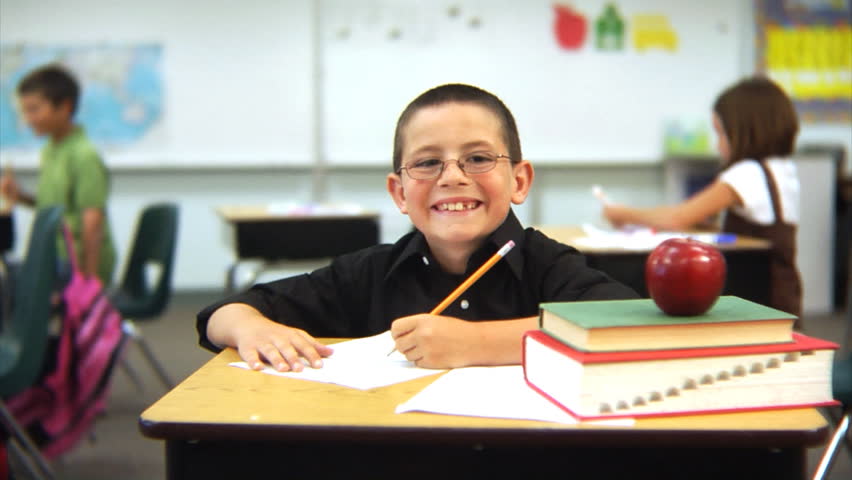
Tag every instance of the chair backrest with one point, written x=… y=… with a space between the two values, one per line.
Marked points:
x=153 y=244
x=24 y=339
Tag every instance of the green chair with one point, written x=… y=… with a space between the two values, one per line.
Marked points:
x=24 y=340
x=146 y=286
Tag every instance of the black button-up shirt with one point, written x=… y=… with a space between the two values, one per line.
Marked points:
x=362 y=293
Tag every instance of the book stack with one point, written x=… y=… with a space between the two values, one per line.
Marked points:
x=626 y=358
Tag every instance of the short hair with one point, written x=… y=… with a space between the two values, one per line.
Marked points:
x=758 y=118
x=459 y=93
x=53 y=81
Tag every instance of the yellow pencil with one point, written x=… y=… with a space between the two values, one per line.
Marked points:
x=472 y=278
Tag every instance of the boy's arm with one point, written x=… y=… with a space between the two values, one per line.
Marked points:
x=93 y=234
x=434 y=341
x=254 y=336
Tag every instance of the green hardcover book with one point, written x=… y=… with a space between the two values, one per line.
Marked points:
x=619 y=325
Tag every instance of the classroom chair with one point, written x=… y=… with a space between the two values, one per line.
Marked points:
x=842 y=387
x=146 y=287
x=24 y=341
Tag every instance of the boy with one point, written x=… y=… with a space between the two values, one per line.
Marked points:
x=71 y=173
x=457 y=168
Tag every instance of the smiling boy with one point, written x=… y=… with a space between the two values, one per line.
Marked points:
x=457 y=169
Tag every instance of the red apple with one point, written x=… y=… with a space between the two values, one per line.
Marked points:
x=685 y=276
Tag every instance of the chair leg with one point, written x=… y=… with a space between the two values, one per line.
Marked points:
x=20 y=442
x=155 y=364
x=831 y=449
x=131 y=372
x=134 y=334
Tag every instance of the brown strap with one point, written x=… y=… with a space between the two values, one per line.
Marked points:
x=773 y=192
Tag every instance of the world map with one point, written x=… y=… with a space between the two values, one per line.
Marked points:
x=122 y=90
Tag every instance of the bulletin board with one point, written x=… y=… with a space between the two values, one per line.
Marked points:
x=806 y=46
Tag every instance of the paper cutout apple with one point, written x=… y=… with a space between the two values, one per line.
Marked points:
x=685 y=276
x=569 y=27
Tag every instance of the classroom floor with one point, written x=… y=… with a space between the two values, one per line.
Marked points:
x=118 y=451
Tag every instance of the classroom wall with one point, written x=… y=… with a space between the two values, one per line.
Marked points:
x=561 y=193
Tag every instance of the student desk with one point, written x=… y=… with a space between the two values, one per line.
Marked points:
x=261 y=233
x=747 y=262
x=225 y=422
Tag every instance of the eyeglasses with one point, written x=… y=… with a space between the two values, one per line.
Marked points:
x=471 y=163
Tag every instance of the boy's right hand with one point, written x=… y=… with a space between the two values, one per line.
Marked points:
x=9 y=187
x=256 y=337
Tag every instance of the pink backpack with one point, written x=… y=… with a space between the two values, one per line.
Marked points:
x=62 y=406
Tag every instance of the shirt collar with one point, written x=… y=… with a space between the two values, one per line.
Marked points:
x=75 y=132
x=510 y=229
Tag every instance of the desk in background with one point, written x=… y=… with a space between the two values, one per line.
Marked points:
x=225 y=422
x=747 y=263
x=261 y=233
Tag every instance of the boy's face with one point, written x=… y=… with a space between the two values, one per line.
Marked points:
x=42 y=116
x=448 y=132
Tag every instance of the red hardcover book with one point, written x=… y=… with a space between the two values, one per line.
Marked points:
x=691 y=381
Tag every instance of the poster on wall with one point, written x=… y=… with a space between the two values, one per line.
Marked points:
x=122 y=90
x=806 y=46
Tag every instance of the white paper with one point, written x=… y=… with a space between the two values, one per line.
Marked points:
x=362 y=363
x=493 y=392
x=634 y=238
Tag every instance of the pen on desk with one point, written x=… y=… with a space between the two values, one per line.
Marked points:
x=469 y=281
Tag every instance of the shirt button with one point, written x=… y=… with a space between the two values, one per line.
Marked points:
x=465 y=304
x=425 y=261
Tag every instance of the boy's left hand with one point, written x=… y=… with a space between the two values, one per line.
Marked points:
x=435 y=341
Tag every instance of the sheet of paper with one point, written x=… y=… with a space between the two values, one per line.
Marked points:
x=362 y=363
x=494 y=392
x=640 y=238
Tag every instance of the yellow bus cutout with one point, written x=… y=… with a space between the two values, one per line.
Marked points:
x=653 y=31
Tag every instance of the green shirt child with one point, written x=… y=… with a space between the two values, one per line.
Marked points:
x=71 y=173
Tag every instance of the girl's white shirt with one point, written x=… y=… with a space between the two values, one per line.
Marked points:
x=747 y=179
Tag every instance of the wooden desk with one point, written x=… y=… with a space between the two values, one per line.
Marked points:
x=747 y=263
x=224 y=422
x=273 y=237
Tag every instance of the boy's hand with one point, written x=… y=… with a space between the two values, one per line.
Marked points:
x=283 y=347
x=256 y=337
x=435 y=341
x=9 y=187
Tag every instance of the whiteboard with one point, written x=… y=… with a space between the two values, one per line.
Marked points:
x=243 y=80
x=570 y=105
x=237 y=75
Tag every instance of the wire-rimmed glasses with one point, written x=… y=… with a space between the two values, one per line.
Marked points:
x=472 y=163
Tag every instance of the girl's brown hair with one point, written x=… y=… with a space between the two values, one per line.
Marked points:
x=758 y=118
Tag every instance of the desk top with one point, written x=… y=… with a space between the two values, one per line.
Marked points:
x=249 y=213
x=219 y=402
x=569 y=235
